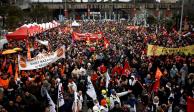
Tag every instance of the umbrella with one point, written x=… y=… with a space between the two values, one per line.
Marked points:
x=17 y=49
x=10 y=51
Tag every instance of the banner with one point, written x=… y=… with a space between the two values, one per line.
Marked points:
x=154 y=50
x=190 y=104
x=90 y=89
x=132 y=27
x=45 y=42
x=85 y=36
x=107 y=79
x=50 y=102
x=61 y=101
x=41 y=60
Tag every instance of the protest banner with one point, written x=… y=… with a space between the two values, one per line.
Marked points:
x=85 y=36
x=190 y=104
x=154 y=50
x=41 y=60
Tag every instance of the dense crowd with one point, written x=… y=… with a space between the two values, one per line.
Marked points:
x=132 y=72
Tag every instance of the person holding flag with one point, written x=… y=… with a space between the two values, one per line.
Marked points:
x=114 y=97
x=156 y=85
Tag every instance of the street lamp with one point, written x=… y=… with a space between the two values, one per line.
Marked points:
x=182 y=11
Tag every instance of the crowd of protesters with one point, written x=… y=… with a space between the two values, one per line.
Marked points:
x=132 y=72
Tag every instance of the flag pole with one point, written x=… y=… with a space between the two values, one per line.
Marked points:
x=58 y=99
x=182 y=13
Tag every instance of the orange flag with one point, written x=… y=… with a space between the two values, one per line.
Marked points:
x=158 y=74
x=62 y=71
x=28 y=48
x=16 y=72
x=157 y=80
x=4 y=83
x=10 y=69
x=4 y=64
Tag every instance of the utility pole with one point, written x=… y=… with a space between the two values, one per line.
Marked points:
x=182 y=14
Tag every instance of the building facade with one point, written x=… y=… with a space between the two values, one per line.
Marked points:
x=105 y=8
x=112 y=9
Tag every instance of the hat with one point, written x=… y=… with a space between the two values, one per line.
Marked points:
x=58 y=80
x=89 y=64
x=133 y=76
x=116 y=102
x=103 y=102
x=113 y=91
x=103 y=92
x=96 y=109
x=156 y=100
x=46 y=83
x=171 y=99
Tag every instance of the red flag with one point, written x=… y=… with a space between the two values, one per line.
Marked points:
x=102 y=69
x=190 y=104
x=126 y=69
x=75 y=36
x=35 y=44
x=157 y=80
x=156 y=85
x=117 y=69
x=10 y=69
x=4 y=64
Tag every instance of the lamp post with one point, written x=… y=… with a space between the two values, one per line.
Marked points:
x=182 y=14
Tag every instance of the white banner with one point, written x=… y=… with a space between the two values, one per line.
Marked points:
x=51 y=103
x=60 y=96
x=41 y=60
x=107 y=79
x=90 y=89
x=44 y=42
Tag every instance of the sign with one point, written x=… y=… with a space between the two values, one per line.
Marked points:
x=41 y=60
x=154 y=50
x=132 y=27
x=84 y=36
x=95 y=13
